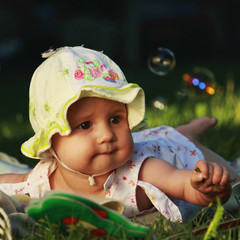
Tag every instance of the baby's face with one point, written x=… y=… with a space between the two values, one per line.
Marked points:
x=100 y=140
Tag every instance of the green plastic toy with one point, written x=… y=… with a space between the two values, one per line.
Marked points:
x=66 y=210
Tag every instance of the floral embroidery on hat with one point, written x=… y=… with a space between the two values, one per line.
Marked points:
x=90 y=70
x=78 y=74
x=112 y=76
x=62 y=74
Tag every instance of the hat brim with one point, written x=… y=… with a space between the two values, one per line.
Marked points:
x=131 y=94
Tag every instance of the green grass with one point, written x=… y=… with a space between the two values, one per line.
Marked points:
x=203 y=226
x=223 y=139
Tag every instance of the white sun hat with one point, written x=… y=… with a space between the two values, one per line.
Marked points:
x=68 y=74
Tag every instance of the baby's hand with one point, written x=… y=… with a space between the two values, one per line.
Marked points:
x=209 y=178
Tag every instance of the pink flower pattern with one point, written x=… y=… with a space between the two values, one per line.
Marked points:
x=102 y=67
x=95 y=73
x=78 y=74
x=91 y=70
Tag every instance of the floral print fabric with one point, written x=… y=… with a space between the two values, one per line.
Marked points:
x=162 y=142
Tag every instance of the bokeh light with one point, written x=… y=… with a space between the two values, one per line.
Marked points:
x=202 y=85
x=200 y=81
x=161 y=61
x=210 y=90
x=195 y=81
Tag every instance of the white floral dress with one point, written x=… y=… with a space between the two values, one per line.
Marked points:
x=161 y=142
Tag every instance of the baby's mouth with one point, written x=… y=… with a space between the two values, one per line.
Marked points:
x=108 y=150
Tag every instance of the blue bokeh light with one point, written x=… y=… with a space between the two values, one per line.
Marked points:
x=202 y=85
x=195 y=81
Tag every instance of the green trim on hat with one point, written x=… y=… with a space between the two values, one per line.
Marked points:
x=41 y=141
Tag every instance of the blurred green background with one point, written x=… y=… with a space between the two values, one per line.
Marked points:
x=200 y=33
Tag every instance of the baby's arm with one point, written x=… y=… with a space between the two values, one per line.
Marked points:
x=196 y=187
x=13 y=178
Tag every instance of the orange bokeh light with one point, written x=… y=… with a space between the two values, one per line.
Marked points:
x=186 y=77
x=210 y=90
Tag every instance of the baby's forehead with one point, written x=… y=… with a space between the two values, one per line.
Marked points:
x=95 y=103
x=86 y=108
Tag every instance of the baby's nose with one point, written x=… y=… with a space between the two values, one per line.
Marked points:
x=105 y=133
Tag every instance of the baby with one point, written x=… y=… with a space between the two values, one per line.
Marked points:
x=82 y=111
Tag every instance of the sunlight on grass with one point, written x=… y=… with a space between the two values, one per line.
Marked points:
x=226 y=108
x=224 y=138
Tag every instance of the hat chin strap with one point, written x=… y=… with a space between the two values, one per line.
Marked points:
x=90 y=177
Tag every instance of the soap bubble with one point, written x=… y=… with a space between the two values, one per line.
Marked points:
x=161 y=61
x=159 y=104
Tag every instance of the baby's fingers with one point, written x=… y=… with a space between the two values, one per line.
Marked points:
x=203 y=168
x=197 y=178
x=220 y=175
x=208 y=176
x=225 y=177
x=217 y=175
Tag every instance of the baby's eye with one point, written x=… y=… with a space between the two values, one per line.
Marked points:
x=85 y=125
x=115 y=119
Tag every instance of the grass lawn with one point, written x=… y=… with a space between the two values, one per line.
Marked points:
x=223 y=139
